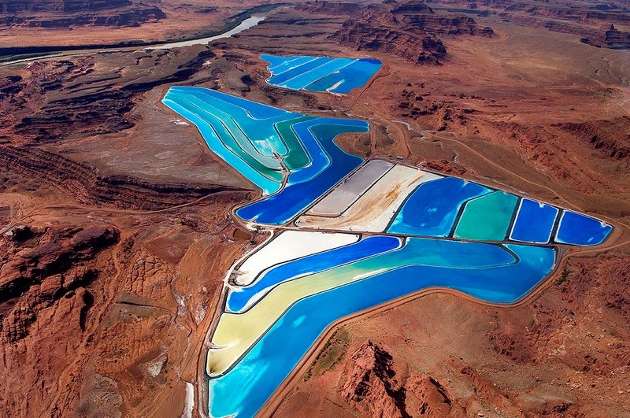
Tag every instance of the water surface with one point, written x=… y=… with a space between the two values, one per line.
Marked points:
x=339 y=75
x=432 y=207
x=244 y=389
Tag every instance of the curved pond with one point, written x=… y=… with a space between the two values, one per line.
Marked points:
x=244 y=389
x=427 y=230
x=240 y=299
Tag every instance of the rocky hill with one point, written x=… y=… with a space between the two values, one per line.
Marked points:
x=588 y=19
x=611 y=38
x=66 y=13
x=410 y=30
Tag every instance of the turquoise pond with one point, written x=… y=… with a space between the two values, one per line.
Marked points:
x=320 y=74
x=329 y=165
x=432 y=240
x=435 y=209
x=246 y=135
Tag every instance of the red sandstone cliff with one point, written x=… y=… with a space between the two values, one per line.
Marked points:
x=611 y=38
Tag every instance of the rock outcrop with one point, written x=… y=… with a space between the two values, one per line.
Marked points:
x=366 y=37
x=374 y=386
x=86 y=185
x=42 y=266
x=408 y=29
x=575 y=17
x=68 y=6
x=609 y=138
x=611 y=38
x=77 y=102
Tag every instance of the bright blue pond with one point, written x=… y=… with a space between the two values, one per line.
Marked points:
x=579 y=229
x=279 y=79
x=244 y=389
x=287 y=63
x=255 y=109
x=357 y=74
x=348 y=78
x=320 y=74
x=239 y=300
x=534 y=222
x=299 y=82
x=330 y=164
x=276 y=60
x=246 y=115
x=431 y=209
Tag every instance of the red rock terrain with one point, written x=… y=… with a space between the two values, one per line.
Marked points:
x=611 y=38
x=408 y=29
x=591 y=20
x=65 y=13
x=115 y=233
x=63 y=23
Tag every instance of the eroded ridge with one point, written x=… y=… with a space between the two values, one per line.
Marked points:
x=348 y=235
x=320 y=74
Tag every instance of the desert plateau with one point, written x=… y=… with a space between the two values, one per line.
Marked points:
x=396 y=208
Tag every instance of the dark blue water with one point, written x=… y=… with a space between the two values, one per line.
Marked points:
x=296 y=71
x=244 y=389
x=432 y=208
x=240 y=299
x=299 y=82
x=534 y=222
x=579 y=229
x=357 y=74
x=353 y=76
x=307 y=184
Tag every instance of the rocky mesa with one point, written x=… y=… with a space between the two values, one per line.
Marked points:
x=411 y=30
x=67 y=13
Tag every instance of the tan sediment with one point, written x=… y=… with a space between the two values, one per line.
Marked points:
x=374 y=210
x=350 y=189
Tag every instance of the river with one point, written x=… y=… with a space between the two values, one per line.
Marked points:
x=250 y=22
x=247 y=23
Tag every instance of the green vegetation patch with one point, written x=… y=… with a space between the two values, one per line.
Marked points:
x=331 y=354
